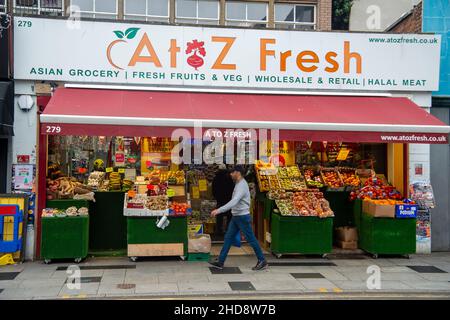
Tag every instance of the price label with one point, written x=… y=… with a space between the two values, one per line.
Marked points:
x=342 y=155
x=109 y=169
x=121 y=170
x=202 y=185
x=170 y=192
x=195 y=193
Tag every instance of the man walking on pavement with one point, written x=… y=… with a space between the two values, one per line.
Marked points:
x=240 y=221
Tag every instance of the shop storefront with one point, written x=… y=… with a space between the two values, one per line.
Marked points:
x=142 y=120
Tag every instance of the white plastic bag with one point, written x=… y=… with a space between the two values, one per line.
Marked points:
x=200 y=243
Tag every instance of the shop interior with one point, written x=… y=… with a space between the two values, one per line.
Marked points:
x=123 y=173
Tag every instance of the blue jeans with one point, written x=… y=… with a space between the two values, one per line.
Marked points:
x=242 y=223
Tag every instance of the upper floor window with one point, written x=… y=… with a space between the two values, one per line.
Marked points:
x=147 y=10
x=106 y=9
x=294 y=16
x=197 y=11
x=246 y=14
x=44 y=7
x=2 y=5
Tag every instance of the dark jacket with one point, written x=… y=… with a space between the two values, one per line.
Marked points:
x=222 y=187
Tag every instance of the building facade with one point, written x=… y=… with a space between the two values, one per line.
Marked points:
x=430 y=17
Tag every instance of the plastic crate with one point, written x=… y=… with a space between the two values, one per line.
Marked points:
x=65 y=237
x=198 y=256
x=305 y=235
x=387 y=235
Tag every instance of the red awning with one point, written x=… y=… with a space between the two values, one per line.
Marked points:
x=299 y=118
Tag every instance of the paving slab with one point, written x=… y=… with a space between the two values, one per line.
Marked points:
x=317 y=284
x=31 y=292
x=85 y=289
x=112 y=289
x=204 y=287
x=278 y=285
x=157 y=288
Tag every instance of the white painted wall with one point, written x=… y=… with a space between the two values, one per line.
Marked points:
x=25 y=126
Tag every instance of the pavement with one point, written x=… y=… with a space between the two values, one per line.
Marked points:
x=293 y=277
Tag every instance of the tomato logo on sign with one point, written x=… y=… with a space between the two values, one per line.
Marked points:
x=195 y=47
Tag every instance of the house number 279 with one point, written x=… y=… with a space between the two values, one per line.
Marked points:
x=53 y=129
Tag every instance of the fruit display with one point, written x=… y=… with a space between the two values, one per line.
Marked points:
x=313 y=178
x=286 y=184
x=349 y=177
x=114 y=181
x=95 y=179
x=274 y=183
x=279 y=194
x=263 y=181
x=69 y=212
x=331 y=178
x=312 y=203
x=298 y=184
x=179 y=208
x=374 y=188
x=127 y=185
x=157 y=203
x=286 y=207
x=154 y=177
x=288 y=172
x=65 y=188
x=261 y=165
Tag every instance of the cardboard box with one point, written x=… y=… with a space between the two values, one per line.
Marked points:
x=406 y=211
x=346 y=234
x=365 y=206
x=381 y=211
x=350 y=245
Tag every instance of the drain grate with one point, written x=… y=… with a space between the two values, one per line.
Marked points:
x=301 y=264
x=86 y=279
x=241 y=286
x=107 y=267
x=426 y=269
x=307 y=275
x=126 y=286
x=8 y=275
x=226 y=270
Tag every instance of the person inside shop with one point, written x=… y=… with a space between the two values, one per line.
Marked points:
x=222 y=189
x=240 y=221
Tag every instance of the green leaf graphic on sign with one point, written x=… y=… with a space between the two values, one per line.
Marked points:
x=130 y=33
x=119 y=34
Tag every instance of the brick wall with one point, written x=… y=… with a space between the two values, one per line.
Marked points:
x=324 y=13
x=412 y=23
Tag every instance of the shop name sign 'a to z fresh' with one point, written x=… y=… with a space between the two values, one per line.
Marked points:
x=106 y=52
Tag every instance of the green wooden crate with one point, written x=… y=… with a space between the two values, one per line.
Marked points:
x=387 y=235
x=65 y=237
x=143 y=230
x=306 y=235
x=198 y=256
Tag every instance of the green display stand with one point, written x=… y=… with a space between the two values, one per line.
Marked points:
x=143 y=230
x=269 y=205
x=65 y=238
x=357 y=211
x=305 y=235
x=108 y=226
x=387 y=235
x=342 y=207
x=63 y=204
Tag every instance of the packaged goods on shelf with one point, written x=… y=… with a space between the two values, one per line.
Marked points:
x=65 y=188
x=157 y=203
x=206 y=207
